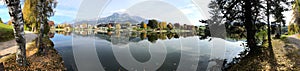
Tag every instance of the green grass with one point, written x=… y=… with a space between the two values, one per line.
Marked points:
x=6 y=32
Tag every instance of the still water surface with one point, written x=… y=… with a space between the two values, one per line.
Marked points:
x=144 y=51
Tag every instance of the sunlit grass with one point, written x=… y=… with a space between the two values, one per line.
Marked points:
x=6 y=32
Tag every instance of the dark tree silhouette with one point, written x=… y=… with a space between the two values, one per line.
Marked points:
x=152 y=24
x=242 y=11
x=249 y=12
x=1 y=20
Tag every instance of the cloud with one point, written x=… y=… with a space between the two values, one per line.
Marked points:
x=67 y=13
x=119 y=11
x=192 y=13
x=189 y=9
x=69 y=3
x=1 y=2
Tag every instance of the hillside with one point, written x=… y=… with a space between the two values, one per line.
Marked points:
x=6 y=32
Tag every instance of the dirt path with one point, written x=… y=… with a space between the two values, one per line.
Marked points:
x=287 y=53
x=280 y=52
x=294 y=39
x=10 y=46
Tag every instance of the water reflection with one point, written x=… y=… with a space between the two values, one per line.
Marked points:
x=135 y=36
x=144 y=50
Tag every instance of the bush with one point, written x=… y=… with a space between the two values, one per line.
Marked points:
x=110 y=29
x=293 y=29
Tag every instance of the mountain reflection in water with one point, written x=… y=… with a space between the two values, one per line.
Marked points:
x=143 y=50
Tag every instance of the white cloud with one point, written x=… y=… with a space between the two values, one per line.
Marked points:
x=187 y=11
x=119 y=11
x=67 y=13
x=1 y=2
x=69 y=3
x=192 y=13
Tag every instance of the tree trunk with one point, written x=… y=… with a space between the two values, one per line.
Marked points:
x=15 y=12
x=40 y=8
x=280 y=29
x=249 y=25
x=269 y=26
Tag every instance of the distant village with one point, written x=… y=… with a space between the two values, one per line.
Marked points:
x=152 y=26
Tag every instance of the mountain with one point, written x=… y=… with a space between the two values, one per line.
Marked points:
x=121 y=18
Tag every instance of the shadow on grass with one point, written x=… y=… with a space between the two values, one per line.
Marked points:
x=259 y=59
x=264 y=58
x=293 y=52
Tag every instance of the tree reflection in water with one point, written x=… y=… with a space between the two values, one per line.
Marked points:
x=122 y=38
x=150 y=36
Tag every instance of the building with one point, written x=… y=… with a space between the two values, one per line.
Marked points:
x=177 y=26
x=51 y=24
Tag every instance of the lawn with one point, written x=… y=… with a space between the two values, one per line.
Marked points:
x=6 y=32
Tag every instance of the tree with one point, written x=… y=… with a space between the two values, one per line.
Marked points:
x=143 y=25
x=44 y=11
x=152 y=24
x=215 y=11
x=293 y=28
x=247 y=11
x=296 y=17
x=15 y=12
x=159 y=25
x=31 y=13
x=276 y=8
x=9 y=23
x=1 y=21
x=118 y=26
x=296 y=12
x=128 y=24
x=170 y=26
x=215 y=21
x=163 y=25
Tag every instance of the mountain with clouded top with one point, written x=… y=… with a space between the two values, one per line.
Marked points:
x=117 y=18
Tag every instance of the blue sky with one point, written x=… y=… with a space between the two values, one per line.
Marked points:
x=67 y=10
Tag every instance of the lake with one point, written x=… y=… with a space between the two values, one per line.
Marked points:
x=137 y=51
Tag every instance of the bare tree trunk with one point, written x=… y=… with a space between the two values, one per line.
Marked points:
x=249 y=26
x=269 y=26
x=16 y=15
x=40 y=8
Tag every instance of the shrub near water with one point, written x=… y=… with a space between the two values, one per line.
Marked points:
x=6 y=32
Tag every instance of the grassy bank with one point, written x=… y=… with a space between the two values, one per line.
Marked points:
x=6 y=32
